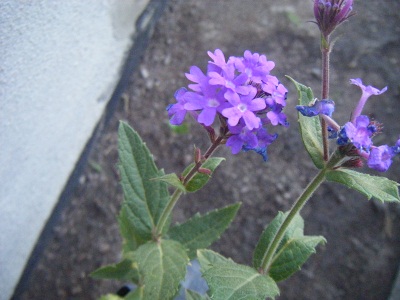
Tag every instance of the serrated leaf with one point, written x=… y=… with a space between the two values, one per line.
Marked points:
x=199 y=180
x=310 y=127
x=208 y=258
x=124 y=270
x=173 y=180
x=162 y=266
x=144 y=199
x=229 y=280
x=191 y=295
x=293 y=250
x=292 y=255
x=201 y=231
x=295 y=229
x=376 y=187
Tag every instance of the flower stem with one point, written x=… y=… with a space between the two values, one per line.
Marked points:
x=178 y=193
x=296 y=207
x=325 y=50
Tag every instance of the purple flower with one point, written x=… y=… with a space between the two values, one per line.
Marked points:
x=176 y=111
x=359 y=134
x=380 y=158
x=254 y=65
x=241 y=136
x=218 y=58
x=198 y=77
x=320 y=107
x=331 y=13
x=243 y=107
x=209 y=102
x=276 y=117
x=367 y=91
x=277 y=92
x=396 y=148
x=239 y=92
x=229 y=80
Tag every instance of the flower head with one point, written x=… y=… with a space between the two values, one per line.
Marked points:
x=329 y=14
x=238 y=91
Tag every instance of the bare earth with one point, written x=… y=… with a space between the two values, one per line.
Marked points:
x=361 y=257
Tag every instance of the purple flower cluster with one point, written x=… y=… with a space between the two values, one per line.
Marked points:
x=359 y=131
x=240 y=93
x=331 y=13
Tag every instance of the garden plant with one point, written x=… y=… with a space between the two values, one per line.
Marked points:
x=238 y=101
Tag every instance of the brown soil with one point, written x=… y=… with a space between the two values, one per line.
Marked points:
x=361 y=257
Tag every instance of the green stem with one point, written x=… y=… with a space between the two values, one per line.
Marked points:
x=297 y=206
x=178 y=193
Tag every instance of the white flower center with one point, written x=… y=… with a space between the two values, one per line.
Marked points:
x=213 y=103
x=242 y=107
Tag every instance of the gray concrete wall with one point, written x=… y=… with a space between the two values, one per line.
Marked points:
x=59 y=64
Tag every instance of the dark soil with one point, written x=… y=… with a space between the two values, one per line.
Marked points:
x=361 y=257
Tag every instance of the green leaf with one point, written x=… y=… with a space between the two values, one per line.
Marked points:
x=199 y=180
x=377 y=187
x=180 y=129
x=310 y=127
x=137 y=294
x=110 y=297
x=173 y=180
x=229 y=280
x=191 y=295
x=124 y=270
x=162 y=266
x=144 y=199
x=131 y=240
x=293 y=251
x=292 y=255
x=201 y=231
x=208 y=258
x=266 y=238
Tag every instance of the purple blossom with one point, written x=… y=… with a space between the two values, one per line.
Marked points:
x=243 y=107
x=241 y=93
x=380 y=158
x=254 y=65
x=209 y=102
x=176 y=111
x=241 y=136
x=367 y=91
x=276 y=91
x=331 y=13
x=229 y=80
x=198 y=77
x=218 y=58
x=276 y=117
x=320 y=107
x=359 y=134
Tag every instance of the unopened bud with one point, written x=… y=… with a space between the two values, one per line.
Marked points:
x=353 y=163
x=331 y=13
x=204 y=171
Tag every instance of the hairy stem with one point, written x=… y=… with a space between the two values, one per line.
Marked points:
x=325 y=50
x=177 y=193
x=297 y=206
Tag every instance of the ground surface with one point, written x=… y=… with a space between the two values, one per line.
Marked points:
x=361 y=257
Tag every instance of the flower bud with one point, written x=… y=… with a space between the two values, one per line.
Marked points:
x=331 y=13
